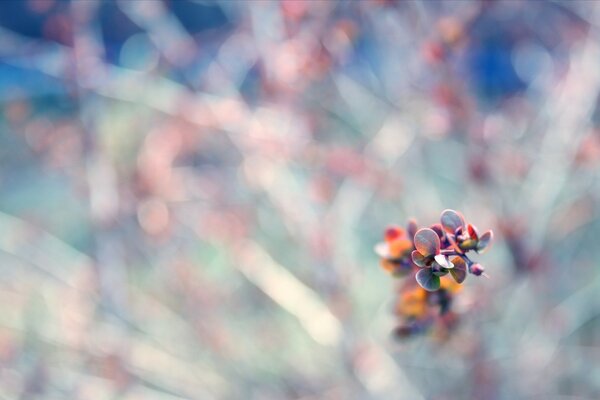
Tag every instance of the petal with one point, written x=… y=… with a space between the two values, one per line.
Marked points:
x=387 y=265
x=427 y=242
x=459 y=272
x=473 y=232
x=437 y=228
x=392 y=233
x=427 y=280
x=400 y=247
x=412 y=228
x=443 y=261
x=451 y=220
x=418 y=259
x=382 y=250
x=484 y=241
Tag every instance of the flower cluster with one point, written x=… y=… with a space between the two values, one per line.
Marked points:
x=419 y=310
x=396 y=250
x=437 y=259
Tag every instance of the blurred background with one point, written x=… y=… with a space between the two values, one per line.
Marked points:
x=190 y=192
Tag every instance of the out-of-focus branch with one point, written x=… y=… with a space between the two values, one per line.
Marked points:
x=289 y=293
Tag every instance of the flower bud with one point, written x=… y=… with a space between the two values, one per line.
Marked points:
x=477 y=269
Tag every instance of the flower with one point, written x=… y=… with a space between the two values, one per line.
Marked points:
x=428 y=257
x=470 y=239
x=437 y=259
x=412 y=303
x=419 y=310
x=395 y=250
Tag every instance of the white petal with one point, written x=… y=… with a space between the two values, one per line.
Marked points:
x=382 y=250
x=443 y=261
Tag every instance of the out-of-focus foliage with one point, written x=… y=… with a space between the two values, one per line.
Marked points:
x=190 y=192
